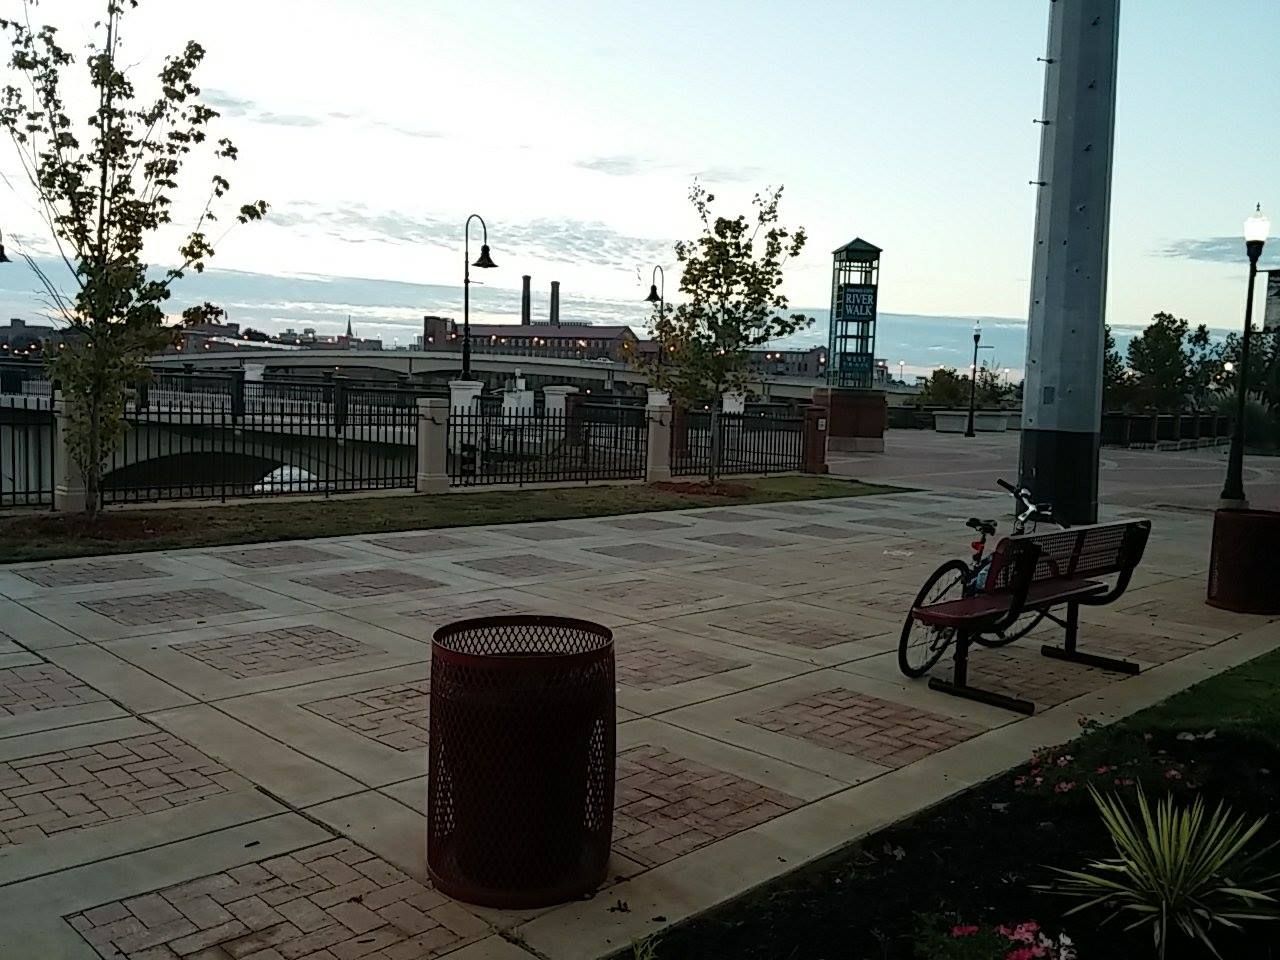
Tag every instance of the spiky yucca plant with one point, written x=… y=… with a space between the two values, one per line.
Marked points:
x=1175 y=868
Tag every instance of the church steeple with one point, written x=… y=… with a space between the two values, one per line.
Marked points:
x=350 y=335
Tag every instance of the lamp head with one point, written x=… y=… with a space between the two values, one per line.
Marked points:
x=653 y=294
x=1257 y=227
x=484 y=260
x=4 y=257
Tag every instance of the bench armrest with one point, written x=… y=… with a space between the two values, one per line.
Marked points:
x=1135 y=544
x=1020 y=559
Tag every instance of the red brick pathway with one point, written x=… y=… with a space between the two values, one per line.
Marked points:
x=42 y=686
x=803 y=627
x=55 y=792
x=394 y=715
x=648 y=663
x=152 y=608
x=260 y=557
x=368 y=583
x=91 y=571
x=331 y=901
x=274 y=651
x=667 y=805
x=866 y=727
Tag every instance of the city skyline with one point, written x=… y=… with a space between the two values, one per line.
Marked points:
x=576 y=136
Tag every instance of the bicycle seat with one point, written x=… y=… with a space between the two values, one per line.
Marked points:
x=987 y=527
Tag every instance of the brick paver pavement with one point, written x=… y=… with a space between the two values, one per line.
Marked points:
x=274 y=651
x=645 y=595
x=368 y=583
x=42 y=686
x=152 y=608
x=421 y=543
x=451 y=610
x=737 y=540
x=54 y=792
x=1122 y=643
x=643 y=552
x=1030 y=676
x=805 y=627
x=263 y=557
x=667 y=805
x=394 y=715
x=649 y=663
x=331 y=901
x=522 y=565
x=646 y=524
x=863 y=726
x=90 y=571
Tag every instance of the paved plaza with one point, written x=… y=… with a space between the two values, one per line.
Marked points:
x=220 y=753
x=1188 y=479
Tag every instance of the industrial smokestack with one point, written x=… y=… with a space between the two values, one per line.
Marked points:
x=555 y=303
x=526 y=301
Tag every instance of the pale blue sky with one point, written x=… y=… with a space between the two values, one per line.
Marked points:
x=375 y=126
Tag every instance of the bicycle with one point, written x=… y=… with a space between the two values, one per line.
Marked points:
x=921 y=646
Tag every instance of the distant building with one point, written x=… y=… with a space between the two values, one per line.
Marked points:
x=19 y=338
x=574 y=341
x=811 y=362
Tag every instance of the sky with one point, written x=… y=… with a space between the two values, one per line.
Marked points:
x=373 y=129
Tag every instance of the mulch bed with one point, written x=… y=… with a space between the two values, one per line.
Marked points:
x=720 y=488
x=977 y=858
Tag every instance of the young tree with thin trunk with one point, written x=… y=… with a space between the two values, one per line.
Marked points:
x=731 y=280
x=104 y=186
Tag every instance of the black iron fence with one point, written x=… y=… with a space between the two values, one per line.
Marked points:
x=26 y=451
x=1161 y=429
x=748 y=443
x=190 y=436
x=587 y=444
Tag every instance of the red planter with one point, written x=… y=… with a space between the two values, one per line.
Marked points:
x=1243 y=561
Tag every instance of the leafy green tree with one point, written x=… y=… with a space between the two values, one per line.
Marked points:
x=1172 y=364
x=731 y=279
x=104 y=185
x=1117 y=382
x=947 y=388
x=203 y=313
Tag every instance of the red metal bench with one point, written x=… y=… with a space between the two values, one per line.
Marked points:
x=1035 y=573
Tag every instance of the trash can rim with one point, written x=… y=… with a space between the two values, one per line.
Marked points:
x=440 y=646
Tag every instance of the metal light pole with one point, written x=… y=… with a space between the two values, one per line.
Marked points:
x=1256 y=229
x=973 y=377
x=484 y=261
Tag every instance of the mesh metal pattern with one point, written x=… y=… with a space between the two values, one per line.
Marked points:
x=522 y=747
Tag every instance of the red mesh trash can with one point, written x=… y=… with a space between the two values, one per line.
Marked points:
x=521 y=760
x=1242 y=561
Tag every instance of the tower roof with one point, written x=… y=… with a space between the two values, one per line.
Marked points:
x=349 y=333
x=857 y=249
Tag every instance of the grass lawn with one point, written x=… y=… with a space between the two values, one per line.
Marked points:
x=46 y=536
x=977 y=858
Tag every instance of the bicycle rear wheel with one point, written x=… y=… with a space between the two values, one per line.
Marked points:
x=1015 y=631
x=921 y=646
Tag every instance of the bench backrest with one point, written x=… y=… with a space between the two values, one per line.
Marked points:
x=1093 y=550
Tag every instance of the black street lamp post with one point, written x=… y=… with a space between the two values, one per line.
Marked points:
x=973 y=377
x=658 y=295
x=483 y=261
x=1256 y=229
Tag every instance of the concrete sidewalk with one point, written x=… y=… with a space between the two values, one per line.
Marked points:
x=220 y=753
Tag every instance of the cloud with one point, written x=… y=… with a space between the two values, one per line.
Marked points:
x=618 y=166
x=717 y=174
x=228 y=105
x=1209 y=250
x=416 y=132
x=566 y=241
x=287 y=119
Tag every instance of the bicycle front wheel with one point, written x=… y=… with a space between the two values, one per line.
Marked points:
x=921 y=645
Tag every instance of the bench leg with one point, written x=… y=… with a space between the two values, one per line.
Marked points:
x=1069 y=652
x=958 y=685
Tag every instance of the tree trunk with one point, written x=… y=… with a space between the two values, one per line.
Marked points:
x=716 y=451
x=92 y=466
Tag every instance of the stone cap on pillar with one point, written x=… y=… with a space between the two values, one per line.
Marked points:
x=559 y=388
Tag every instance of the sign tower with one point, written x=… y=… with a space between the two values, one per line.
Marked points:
x=851 y=347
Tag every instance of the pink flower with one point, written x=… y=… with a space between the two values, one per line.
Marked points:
x=1019 y=781
x=1066 y=786
x=1105 y=768
x=1064 y=759
x=1172 y=774
x=1026 y=932
x=964 y=930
